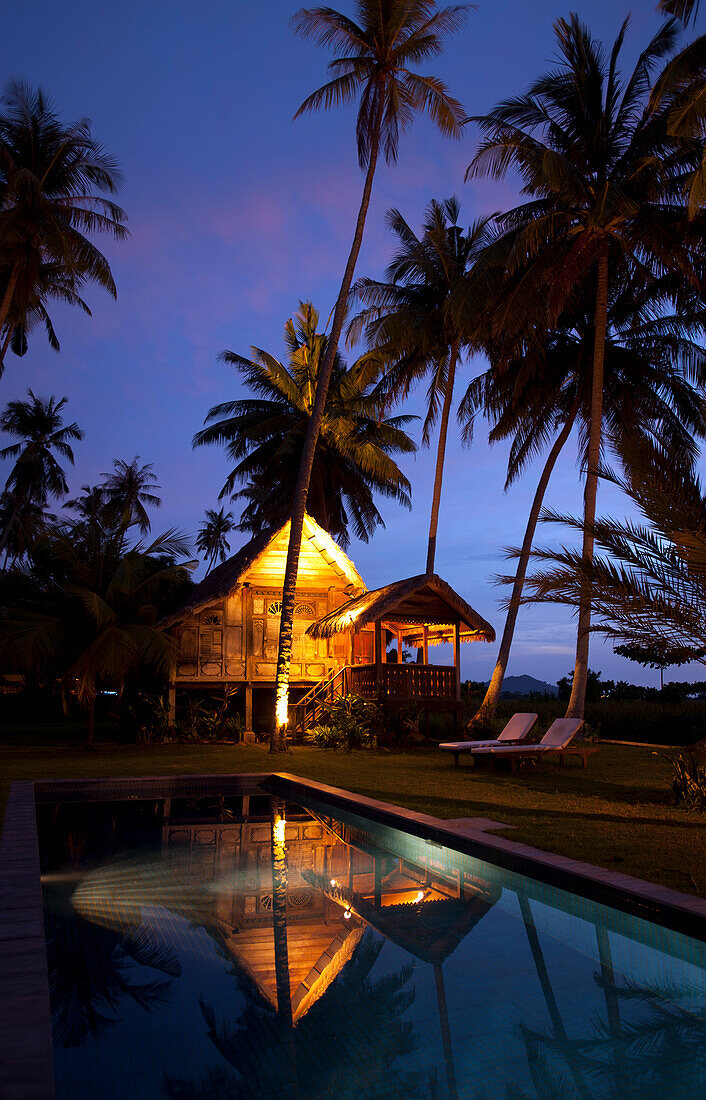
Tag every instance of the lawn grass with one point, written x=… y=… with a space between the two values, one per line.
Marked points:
x=616 y=814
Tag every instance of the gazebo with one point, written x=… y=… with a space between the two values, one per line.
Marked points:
x=419 y=611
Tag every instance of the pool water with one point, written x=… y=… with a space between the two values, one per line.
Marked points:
x=238 y=948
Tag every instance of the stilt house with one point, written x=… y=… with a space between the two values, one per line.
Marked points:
x=227 y=632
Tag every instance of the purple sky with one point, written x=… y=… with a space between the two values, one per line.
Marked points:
x=237 y=212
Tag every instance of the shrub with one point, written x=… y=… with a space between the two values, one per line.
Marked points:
x=349 y=722
x=688 y=780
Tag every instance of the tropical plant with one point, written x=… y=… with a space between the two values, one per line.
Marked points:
x=53 y=182
x=656 y=654
x=92 y=615
x=688 y=783
x=212 y=539
x=651 y=584
x=129 y=488
x=38 y=427
x=373 y=59
x=410 y=318
x=541 y=387
x=266 y=435
x=348 y=722
x=682 y=9
x=604 y=180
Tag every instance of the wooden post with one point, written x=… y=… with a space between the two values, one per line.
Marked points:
x=249 y=732
x=352 y=647
x=399 y=648
x=378 y=660
x=425 y=644
x=171 y=702
x=457 y=659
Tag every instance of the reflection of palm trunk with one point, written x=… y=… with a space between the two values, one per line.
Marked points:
x=445 y=1032
x=549 y=998
x=612 y=1005
x=279 y=931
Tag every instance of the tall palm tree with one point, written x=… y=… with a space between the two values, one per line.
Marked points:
x=38 y=427
x=655 y=373
x=53 y=183
x=373 y=59
x=212 y=539
x=128 y=490
x=265 y=436
x=604 y=181
x=411 y=319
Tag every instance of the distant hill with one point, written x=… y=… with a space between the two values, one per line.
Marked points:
x=527 y=685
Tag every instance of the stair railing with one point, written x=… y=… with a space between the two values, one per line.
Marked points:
x=310 y=707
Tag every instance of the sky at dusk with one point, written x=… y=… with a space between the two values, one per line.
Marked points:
x=236 y=213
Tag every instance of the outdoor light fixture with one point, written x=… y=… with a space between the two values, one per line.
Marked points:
x=279 y=828
x=420 y=896
x=347 y=914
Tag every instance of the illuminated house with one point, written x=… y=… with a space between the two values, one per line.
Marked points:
x=227 y=631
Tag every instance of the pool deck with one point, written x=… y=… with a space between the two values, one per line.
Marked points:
x=26 y=1067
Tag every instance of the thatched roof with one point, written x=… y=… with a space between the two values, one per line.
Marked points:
x=227 y=577
x=408 y=606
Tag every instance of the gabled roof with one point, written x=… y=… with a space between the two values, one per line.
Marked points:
x=227 y=577
x=411 y=604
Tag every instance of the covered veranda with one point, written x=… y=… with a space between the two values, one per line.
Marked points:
x=418 y=612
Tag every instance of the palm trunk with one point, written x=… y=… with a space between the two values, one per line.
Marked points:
x=278 y=739
x=11 y=522
x=279 y=931
x=577 y=701
x=6 y=304
x=440 y=455
x=487 y=709
x=3 y=349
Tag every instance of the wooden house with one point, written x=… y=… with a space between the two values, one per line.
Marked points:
x=227 y=631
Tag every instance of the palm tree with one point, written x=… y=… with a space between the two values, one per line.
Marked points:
x=36 y=476
x=93 y=614
x=372 y=59
x=605 y=182
x=265 y=436
x=651 y=585
x=682 y=9
x=129 y=488
x=655 y=373
x=212 y=539
x=410 y=317
x=53 y=179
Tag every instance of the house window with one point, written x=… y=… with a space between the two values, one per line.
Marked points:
x=211 y=635
x=301 y=610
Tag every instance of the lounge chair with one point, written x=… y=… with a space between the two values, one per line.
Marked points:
x=556 y=742
x=516 y=730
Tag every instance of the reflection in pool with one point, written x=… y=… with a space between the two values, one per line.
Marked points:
x=241 y=948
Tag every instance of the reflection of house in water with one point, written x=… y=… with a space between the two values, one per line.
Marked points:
x=338 y=882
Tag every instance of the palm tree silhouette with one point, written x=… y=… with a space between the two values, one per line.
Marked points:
x=265 y=436
x=603 y=178
x=53 y=182
x=38 y=427
x=129 y=488
x=212 y=539
x=373 y=59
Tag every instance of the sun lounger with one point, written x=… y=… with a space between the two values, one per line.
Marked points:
x=556 y=742
x=516 y=730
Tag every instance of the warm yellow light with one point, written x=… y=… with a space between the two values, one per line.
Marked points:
x=333 y=882
x=279 y=830
x=420 y=896
x=347 y=915
x=282 y=711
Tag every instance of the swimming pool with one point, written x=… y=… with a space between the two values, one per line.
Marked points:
x=240 y=945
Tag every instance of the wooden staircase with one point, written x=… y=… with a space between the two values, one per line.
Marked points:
x=310 y=709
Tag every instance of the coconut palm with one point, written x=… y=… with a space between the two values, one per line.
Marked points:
x=651 y=584
x=53 y=183
x=683 y=9
x=373 y=59
x=212 y=539
x=410 y=317
x=128 y=490
x=680 y=94
x=37 y=475
x=604 y=181
x=655 y=373
x=265 y=436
